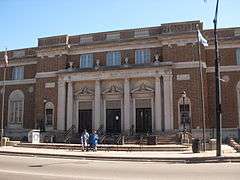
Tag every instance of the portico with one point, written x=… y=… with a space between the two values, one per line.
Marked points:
x=118 y=101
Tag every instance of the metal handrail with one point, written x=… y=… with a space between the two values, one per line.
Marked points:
x=69 y=131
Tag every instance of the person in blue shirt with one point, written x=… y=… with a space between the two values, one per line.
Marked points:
x=93 y=140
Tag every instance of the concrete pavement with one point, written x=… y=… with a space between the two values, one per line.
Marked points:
x=38 y=168
x=228 y=154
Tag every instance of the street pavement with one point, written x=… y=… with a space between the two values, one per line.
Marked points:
x=227 y=153
x=39 y=168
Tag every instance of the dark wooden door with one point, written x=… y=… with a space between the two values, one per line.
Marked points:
x=143 y=120
x=113 y=120
x=85 y=120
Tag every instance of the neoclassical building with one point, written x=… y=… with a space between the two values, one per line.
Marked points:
x=126 y=81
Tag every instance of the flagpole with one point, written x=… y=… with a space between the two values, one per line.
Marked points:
x=202 y=93
x=217 y=88
x=3 y=96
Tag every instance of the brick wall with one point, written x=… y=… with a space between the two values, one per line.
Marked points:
x=29 y=103
x=49 y=94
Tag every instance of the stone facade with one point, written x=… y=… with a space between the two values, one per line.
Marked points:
x=130 y=97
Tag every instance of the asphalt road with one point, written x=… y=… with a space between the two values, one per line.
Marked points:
x=36 y=168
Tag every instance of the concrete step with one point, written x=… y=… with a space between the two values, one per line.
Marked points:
x=106 y=147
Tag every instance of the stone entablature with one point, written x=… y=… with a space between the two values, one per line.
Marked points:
x=115 y=74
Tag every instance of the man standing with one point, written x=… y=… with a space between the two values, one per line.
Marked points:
x=84 y=140
x=93 y=140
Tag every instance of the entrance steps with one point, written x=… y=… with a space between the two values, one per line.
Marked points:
x=108 y=147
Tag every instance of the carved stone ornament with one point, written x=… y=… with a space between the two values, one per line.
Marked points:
x=83 y=92
x=156 y=62
x=97 y=66
x=112 y=90
x=142 y=89
x=126 y=64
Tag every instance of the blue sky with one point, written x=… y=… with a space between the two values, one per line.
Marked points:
x=23 y=21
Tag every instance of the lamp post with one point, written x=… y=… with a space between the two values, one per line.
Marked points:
x=3 y=95
x=44 y=115
x=183 y=114
x=217 y=87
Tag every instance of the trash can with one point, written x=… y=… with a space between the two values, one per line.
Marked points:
x=196 y=145
x=152 y=140
x=4 y=141
x=212 y=144
x=34 y=136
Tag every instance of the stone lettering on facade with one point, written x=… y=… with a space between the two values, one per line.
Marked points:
x=50 y=85
x=183 y=77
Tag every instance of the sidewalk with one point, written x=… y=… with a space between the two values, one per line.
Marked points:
x=228 y=155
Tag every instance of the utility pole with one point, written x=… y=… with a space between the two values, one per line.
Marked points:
x=217 y=87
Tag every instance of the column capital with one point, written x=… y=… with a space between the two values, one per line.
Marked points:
x=157 y=78
x=167 y=77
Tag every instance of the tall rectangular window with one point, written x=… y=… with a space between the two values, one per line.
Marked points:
x=86 y=61
x=18 y=73
x=16 y=112
x=113 y=58
x=238 y=56
x=142 y=56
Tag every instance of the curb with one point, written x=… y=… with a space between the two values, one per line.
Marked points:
x=187 y=160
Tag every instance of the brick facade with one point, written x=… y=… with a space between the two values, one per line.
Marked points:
x=175 y=44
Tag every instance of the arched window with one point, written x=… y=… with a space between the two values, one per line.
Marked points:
x=184 y=113
x=49 y=114
x=16 y=108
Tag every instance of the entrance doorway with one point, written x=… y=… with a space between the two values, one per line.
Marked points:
x=143 y=120
x=113 y=120
x=85 y=120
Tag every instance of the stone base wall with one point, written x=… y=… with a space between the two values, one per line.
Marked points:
x=211 y=133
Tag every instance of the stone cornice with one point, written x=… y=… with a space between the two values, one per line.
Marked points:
x=18 y=82
x=117 y=74
x=46 y=74
x=224 y=69
x=188 y=64
x=21 y=62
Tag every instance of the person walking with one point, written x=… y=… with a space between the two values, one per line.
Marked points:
x=93 y=140
x=84 y=140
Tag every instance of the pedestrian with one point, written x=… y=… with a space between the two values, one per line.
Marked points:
x=84 y=140
x=93 y=140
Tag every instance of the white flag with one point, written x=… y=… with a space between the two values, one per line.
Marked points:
x=201 y=39
x=6 y=58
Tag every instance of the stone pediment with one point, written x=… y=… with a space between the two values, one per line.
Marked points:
x=84 y=92
x=143 y=89
x=112 y=90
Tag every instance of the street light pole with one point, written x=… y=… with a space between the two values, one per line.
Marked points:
x=217 y=87
x=3 y=94
x=183 y=115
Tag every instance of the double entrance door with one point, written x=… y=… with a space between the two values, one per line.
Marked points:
x=113 y=120
x=85 y=120
x=143 y=120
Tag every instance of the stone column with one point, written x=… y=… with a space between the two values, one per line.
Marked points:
x=61 y=105
x=158 y=108
x=134 y=115
x=126 y=106
x=97 y=113
x=69 y=105
x=168 y=102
